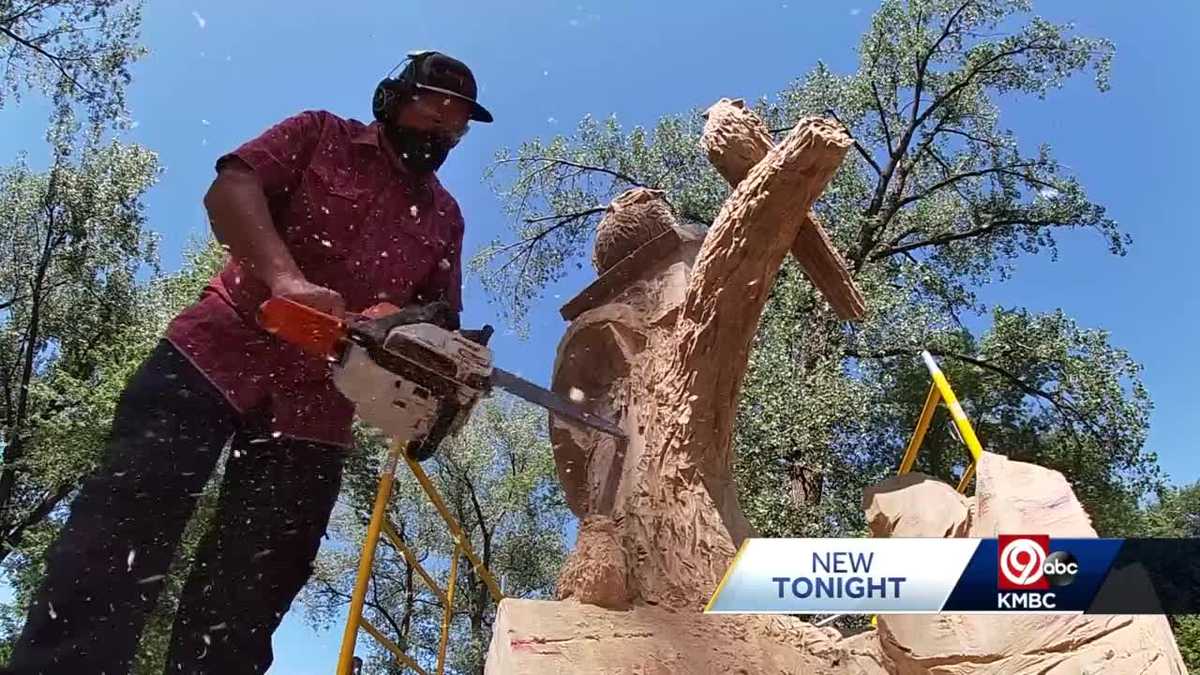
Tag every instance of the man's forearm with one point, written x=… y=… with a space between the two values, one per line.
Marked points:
x=241 y=221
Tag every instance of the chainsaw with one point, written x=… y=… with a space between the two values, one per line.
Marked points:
x=407 y=374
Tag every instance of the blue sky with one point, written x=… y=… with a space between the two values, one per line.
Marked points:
x=221 y=72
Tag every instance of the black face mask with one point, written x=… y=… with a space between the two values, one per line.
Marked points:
x=420 y=151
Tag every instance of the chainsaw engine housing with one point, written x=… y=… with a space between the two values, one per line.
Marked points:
x=419 y=385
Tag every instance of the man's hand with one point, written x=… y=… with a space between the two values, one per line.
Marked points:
x=379 y=311
x=307 y=293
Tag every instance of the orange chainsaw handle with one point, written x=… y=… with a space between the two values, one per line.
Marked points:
x=312 y=330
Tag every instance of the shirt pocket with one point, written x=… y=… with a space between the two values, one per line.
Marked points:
x=334 y=210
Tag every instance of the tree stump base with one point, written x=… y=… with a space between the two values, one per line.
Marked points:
x=534 y=637
x=539 y=637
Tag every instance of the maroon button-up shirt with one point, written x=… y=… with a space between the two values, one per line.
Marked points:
x=355 y=222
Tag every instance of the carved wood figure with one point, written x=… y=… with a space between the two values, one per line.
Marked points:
x=660 y=343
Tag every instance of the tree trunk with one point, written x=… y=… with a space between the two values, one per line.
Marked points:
x=410 y=602
x=666 y=356
x=14 y=449
x=806 y=485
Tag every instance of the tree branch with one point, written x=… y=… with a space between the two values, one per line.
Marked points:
x=967 y=234
x=12 y=538
x=948 y=304
x=387 y=616
x=12 y=301
x=978 y=139
x=567 y=219
x=11 y=19
x=578 y=214
x=906 y=169
x=1054 y=398
x=948 y=171
x=991 y=170
x=857 y=146
x=899 y=238
x=483 y=526
x=55 y=60
x=577 y=165
x=924 y=64
x=968 y=79
x=867 y=236
x=887 y=132
x=885 y=178
x=19 y=298
x=14 y=450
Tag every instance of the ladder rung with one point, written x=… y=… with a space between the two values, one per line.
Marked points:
x=396 y=541
x=391 y=646
x=455 y=529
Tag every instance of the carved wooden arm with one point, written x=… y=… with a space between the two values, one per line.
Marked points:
x=733 y=274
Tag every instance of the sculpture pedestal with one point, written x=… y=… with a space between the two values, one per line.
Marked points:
x=536 y=637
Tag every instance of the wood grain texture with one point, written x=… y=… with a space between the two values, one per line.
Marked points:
x=664 y=355
x=736 y=139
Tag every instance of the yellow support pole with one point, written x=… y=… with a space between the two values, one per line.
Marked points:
x=918 y=437
x=940 y=391
x=956 y=411
x=359 y=596
x=965 y=481
x=455 y=529
x=448 y=610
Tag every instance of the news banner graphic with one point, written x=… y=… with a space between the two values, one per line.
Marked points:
x=1027 y=573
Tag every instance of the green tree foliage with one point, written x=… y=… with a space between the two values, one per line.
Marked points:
x=937 y=200
x=81 y=304
x=497 y=479
x=79 y=429
x=78 y=48
x=70 y=252
x=1176 y=513
x=77 y=315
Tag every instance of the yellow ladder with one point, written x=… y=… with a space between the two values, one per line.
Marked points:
x=381 y=525
x=940 y=391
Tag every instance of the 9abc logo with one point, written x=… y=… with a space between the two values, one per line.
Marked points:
x=1027 y=564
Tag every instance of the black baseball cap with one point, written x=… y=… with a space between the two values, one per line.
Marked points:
x=434 y=71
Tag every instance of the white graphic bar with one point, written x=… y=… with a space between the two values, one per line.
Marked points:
x=844 y=576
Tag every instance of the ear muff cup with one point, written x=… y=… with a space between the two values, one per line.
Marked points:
x=394 y=89
x=386 y=94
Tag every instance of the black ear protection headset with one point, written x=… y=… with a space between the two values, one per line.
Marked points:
x=392 y=89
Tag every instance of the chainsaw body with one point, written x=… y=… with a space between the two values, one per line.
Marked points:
x=411 y=374
x=417 y=381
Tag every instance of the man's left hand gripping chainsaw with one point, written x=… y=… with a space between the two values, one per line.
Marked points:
x=407 y=375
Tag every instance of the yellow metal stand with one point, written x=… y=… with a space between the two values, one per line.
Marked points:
x=940 y=391
x=379 y=525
